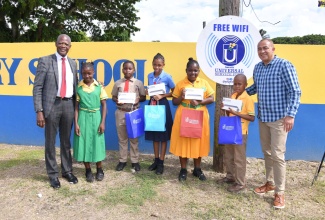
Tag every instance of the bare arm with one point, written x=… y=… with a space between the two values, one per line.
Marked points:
x=177 y=101
x=76 y=115
x=243 y=116
x=101 y=128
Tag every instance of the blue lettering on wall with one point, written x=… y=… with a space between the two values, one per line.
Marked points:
x=32 y=69
x=80 y=61
x=107 y=70
x=139 y=73
x=117 y=69
x=11 y=70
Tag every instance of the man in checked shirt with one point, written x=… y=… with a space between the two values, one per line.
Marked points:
x=278 y=92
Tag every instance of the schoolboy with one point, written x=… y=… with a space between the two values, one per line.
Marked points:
x=235 y=155
x=132 y=85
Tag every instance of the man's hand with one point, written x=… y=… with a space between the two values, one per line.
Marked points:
x=288 y=123
x=40 y=119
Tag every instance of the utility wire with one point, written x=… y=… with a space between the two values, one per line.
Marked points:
x=250 y=4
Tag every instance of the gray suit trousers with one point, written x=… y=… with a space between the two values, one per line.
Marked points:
x=60 y=119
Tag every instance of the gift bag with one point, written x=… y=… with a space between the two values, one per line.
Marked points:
x=230 y=131
x=155 y=117
x=134 y=123
x=191 y=123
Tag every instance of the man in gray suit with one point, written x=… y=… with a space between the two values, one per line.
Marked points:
x=54 y=98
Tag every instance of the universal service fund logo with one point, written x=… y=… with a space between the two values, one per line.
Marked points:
x=227 y=46
x=191 y=121
x=321 y=3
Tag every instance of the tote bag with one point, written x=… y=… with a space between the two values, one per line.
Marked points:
x=155 y=117
x=134 y=123
x=230 y=131
x=191 y=123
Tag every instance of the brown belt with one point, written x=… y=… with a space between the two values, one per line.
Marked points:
x=126 y=109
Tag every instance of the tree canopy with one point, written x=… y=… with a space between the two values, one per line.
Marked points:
x=316 y=39
x=44 y=20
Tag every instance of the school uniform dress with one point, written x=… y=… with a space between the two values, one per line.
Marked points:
x=235 y=155
x=133 y=86
x=161 y=136
x=90 y=145
x=191 y=147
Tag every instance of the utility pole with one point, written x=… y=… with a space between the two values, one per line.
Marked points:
x=226 y=7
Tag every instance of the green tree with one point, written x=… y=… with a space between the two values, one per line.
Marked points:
x=315 y=39
x=44 y=20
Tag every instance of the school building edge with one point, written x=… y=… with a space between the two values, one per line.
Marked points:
x=18 y=67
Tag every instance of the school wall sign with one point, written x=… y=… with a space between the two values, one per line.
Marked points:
x=227 y=46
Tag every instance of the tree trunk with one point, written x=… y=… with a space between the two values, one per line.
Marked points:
x=226 y=7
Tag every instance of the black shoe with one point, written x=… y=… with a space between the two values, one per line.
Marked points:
x=99 y=174
x=182 y=175
x=120 y=166
x=70 y=178
x=89 y=176
x=136 y=166
x=154 y=165
x=198 y=173
x=160 y=169
x=55 y=183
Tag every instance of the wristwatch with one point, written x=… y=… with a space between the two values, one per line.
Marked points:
x=39 y=110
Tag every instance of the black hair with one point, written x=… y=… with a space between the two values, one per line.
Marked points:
x=158 y=56
x=129 y=61
x=87 y=65
x=190 y=62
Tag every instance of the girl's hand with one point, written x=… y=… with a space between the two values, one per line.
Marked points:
x=136 y=101
x=194 y=102
x=77 y=129
x=101 y=128
x=157 y=97
x=183 y=93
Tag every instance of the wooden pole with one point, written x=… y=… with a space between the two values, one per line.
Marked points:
x=226 y=7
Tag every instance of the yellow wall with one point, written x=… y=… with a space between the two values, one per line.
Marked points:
x=308 y=60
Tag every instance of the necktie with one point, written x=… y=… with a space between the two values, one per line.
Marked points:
x=64 y=82
x=126 y=85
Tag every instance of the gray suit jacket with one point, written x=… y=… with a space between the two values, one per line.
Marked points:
x=46 y=82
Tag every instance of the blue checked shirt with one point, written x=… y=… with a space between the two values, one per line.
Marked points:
x=277 y=88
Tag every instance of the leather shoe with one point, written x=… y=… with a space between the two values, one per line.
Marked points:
x=70 y=178
x=236 y=188
x=182 y=175
x=154 y=165
x=136 y=166
x=55 y=183
x=99 y=174
x=279 y=201
x=160 y=169
x=120 y=166
x=89 y=176
x=226 y=180
x=267 y=187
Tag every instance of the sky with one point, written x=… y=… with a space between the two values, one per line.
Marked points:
x=182 y=20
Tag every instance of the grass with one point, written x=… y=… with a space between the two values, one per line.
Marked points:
x=135 y=193
x=16 y=158
x=144 y=195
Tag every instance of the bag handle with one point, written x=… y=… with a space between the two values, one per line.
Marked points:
x=152 y=99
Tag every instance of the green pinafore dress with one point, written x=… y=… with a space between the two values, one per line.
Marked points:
x=90 y=145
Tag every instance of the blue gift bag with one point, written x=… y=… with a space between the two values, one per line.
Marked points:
x=134 y=123
x=230 y=131
x=155 y=117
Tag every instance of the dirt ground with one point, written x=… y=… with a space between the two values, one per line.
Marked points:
x=25 y=192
